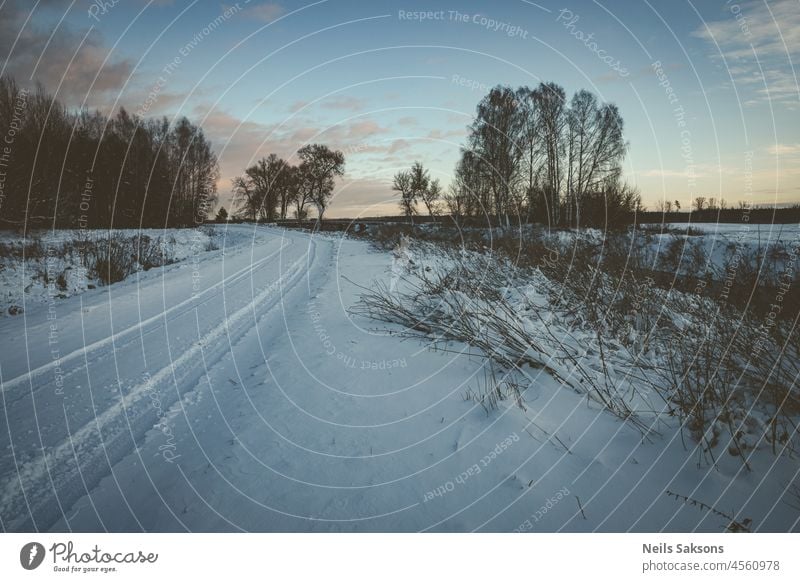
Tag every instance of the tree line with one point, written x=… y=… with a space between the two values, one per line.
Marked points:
x=718 y=210
x=82 y=169
x=272 y=187
x=533 y=155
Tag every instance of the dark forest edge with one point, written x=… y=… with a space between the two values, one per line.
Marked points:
x=82 y=169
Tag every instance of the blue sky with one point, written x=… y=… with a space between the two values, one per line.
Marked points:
x=388 y=88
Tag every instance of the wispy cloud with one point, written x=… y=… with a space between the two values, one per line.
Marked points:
x=344 y=102
x=363 y=129
x=448 y=135
x=784 y=149
x=266 y=12
x=759 y=45
x=398 y=145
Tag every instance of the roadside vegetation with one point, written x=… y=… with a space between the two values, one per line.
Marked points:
x=47 y=265
x=638 y=328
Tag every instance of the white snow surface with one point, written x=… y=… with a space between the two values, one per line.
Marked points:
x=237 y=393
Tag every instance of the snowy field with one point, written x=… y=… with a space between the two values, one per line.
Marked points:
x=753 y=233
x=724 y=244
x=245 y=391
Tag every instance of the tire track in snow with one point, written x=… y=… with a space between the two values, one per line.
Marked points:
x=20 y=380
x=131 y=416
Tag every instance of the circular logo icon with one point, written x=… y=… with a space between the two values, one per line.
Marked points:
x=31 y=555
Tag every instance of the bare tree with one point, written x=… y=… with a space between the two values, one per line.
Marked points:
x=263 y=188
x=464 y=196
x=496 y=137
x=700 y=203
x=430 y=196
x=550 y=99
x=288 y=188
x=320 y=166
x=420 y=179
x=531 y=137
x=596 y=148
x=415 y=185
x=454 y=202
x=244 y=198
x=403 y=185
x=471 y=185
x=581 y=128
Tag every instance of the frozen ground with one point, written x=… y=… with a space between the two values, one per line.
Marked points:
x=237 y=393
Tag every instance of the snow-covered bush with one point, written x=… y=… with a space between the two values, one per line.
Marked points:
x=114 y=258
x=606 y=324
x=484 y=301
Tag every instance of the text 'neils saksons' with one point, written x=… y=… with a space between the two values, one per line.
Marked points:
x=664 y=548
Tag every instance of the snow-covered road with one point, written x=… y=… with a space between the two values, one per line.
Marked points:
x=233 y=391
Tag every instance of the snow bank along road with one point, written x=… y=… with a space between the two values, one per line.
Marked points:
x=234 y=392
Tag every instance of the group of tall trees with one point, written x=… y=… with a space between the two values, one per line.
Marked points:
x=534 y=155
x=72 y=169
x=270 y=187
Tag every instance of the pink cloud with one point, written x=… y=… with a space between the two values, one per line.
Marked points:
x=264 y=12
